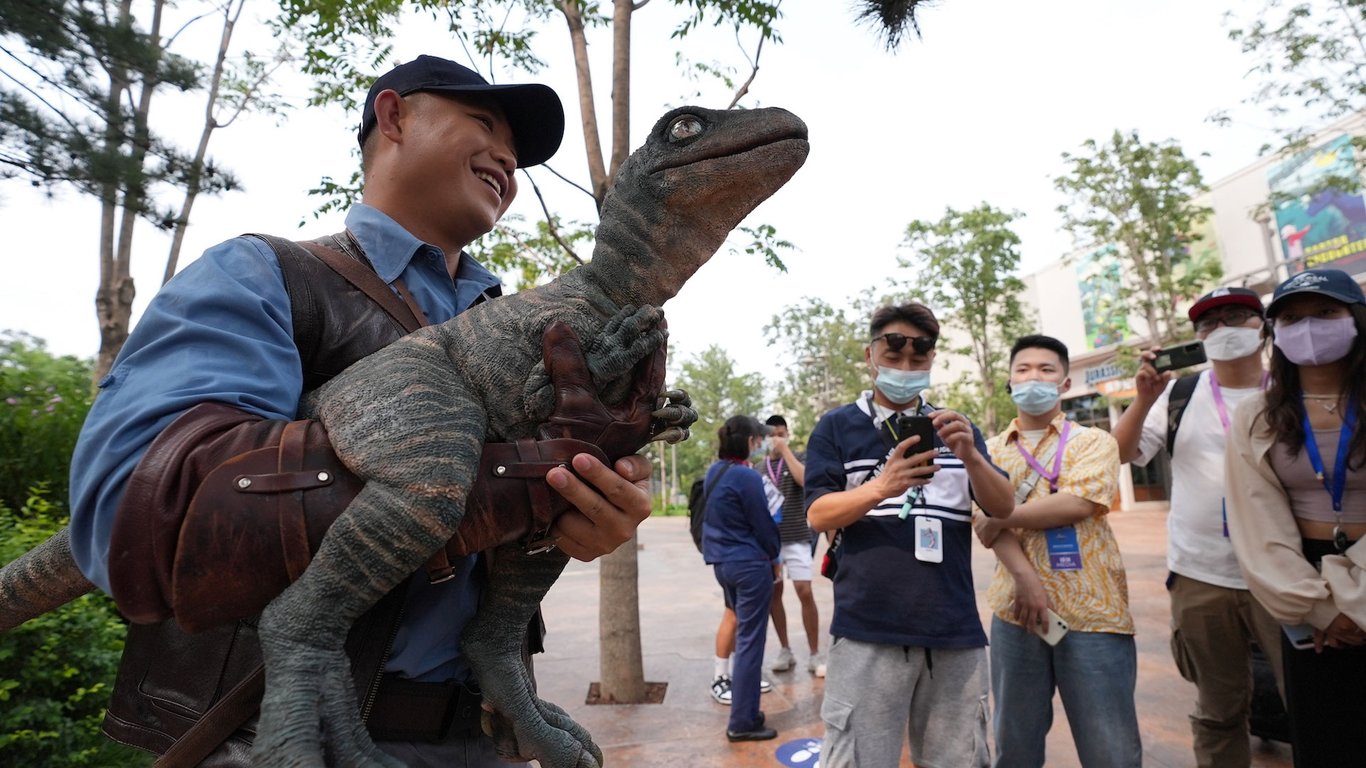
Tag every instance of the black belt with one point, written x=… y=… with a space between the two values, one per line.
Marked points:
x=406 y=710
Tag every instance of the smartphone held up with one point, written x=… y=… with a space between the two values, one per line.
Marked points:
x=920 y=426
x=1179 y=356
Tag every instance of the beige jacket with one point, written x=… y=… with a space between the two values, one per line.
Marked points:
x=1266 y=540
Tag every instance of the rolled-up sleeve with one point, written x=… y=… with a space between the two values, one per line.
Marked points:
x=219 y=331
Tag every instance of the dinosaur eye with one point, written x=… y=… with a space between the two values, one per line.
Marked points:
x=685 y=127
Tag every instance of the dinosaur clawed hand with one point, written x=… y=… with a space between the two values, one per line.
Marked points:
x=673 y=415
x=310 y=702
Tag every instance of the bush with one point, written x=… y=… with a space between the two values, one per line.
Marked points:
x=43 y=402
x=56 y=671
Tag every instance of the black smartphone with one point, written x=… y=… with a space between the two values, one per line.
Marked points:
x=1179 y=356
x=916 y=425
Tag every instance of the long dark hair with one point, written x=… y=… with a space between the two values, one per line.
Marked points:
x=1284 y=412
x=732 y=439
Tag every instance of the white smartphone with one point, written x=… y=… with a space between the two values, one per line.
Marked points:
x=1301 y=635
x=1053 y=630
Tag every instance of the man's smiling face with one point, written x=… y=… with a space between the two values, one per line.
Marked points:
x=460 y=164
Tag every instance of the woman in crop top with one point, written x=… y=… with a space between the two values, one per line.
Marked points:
x=1296 y=478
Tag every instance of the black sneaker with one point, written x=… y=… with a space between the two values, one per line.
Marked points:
x=759 y=733
x=720 y=690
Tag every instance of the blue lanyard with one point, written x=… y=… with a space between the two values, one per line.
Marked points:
x=1339 y=481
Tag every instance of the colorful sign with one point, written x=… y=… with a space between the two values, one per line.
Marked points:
x=1320 y=226
x=1102 y=312
x=1118 y=389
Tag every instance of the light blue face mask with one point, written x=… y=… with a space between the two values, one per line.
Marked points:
x=1035 y=397
x=762 y=450
x=901 y=386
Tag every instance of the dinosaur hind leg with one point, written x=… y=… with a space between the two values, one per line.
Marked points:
x=492 y=645
x=370 y=549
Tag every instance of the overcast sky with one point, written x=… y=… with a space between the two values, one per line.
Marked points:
x=978 y=110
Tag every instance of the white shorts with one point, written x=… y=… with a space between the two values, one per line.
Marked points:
x=796 y=559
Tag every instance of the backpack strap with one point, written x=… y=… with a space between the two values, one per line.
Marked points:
x=1177 y=401
x=706 y=490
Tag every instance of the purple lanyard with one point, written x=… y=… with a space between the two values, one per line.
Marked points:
x=1219 y=397
x=774 y=475
x=1051 y=477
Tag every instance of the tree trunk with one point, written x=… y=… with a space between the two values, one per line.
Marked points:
x=597 y=169
x=619 y=655
x=623 y=669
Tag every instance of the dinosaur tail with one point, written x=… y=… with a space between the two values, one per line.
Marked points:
x=41 y=580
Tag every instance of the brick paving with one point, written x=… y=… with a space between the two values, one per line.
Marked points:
x=681 y=604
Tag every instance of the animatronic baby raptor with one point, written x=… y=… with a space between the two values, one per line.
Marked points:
x=410 y=420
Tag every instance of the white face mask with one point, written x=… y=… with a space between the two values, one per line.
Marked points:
x=900 y=386
x=1226 y=343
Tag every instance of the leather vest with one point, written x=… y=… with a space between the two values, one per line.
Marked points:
x=168 y=678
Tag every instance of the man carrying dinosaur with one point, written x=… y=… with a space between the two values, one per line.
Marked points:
x=439 y=150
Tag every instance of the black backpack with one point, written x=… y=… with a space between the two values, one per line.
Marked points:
x=697 y=504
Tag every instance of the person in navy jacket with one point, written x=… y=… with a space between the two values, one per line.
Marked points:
x=740 y=541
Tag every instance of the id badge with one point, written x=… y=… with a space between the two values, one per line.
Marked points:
x=929 y=539
x=1064 y=551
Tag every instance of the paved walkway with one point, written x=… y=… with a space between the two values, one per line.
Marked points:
x=681 y=604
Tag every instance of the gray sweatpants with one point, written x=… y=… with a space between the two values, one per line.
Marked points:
x=875 y=694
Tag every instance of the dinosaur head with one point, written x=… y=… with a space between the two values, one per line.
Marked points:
x=677 y=197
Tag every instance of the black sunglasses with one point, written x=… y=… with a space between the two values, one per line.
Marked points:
x=895 y=341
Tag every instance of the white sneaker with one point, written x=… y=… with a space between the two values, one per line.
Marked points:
x=720 y=690
x=785 y=661
x=816 y=664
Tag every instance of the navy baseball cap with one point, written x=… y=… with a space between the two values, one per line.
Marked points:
x=533 y=110
x=1243 y=297
x=1333 y=283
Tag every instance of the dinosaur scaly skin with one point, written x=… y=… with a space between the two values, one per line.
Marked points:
x=410 y=419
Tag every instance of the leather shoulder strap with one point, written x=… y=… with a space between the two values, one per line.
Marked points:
x=359 y=273
x=231 y=712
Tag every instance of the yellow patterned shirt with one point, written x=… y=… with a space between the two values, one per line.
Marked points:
x=1095 y=598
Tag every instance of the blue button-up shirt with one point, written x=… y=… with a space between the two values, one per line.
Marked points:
x=221 y=331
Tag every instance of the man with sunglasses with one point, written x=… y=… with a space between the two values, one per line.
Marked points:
x=1214 y=617
x=908 y=653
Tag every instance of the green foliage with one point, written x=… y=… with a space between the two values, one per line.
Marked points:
x=1310 y=69
x=764 y=240
x=345 y=41
x=973 y=256
x=74 y=71
x=718 y=393
x=1137 y=196
x=56 y=671
x=823 y=346
x=535 y=253
x=1309 y=56
x=43 y=402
